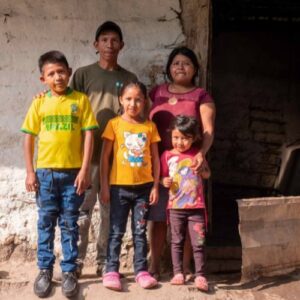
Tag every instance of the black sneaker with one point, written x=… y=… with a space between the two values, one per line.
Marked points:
x=58 y=276
x=43 y=283
x=69 y=284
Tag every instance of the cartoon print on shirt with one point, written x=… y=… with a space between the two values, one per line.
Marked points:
x=135 y=144
x=183 y=190
x=172 y=165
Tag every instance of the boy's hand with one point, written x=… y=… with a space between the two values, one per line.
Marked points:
x=82 y=181
x=104 y=195
x=31 y=182
x=153 y=198
x=167 y=182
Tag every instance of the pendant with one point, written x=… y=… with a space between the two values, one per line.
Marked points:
x=172 y=100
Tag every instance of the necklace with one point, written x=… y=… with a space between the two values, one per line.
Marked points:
x=173 y=100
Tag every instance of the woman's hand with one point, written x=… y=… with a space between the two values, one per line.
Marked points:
x=205 y=172
x=200 y=166
x=153 y=198
x=197 y=162
x=167 y=182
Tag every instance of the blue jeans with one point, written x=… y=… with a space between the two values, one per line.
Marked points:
x=57 y=200
x=122 y=200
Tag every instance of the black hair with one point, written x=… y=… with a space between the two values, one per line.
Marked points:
x=52 y=57
x=188 y=126
x=138 y=84
x=188 y=53
x=109 y=26
x=142 y=88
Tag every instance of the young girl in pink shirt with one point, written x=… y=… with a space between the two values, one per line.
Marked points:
x=186 y=203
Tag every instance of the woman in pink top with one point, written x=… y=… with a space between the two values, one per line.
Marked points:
x=179 y=96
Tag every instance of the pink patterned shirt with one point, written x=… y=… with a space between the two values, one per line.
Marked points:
x=186 y=191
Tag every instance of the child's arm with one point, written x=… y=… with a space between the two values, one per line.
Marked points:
x=156 y=172
x=30 y=181
x=82 y=180
x=107 y=148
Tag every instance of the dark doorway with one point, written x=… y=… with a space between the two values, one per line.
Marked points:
x=255 y=83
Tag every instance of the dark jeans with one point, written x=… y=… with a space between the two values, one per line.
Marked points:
x=194 y=220
x=124 y=199
x=57 y=200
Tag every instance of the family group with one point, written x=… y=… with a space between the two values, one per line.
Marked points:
x=104 y=137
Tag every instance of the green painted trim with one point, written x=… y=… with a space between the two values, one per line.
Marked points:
x=28 y=131
x=90 y=128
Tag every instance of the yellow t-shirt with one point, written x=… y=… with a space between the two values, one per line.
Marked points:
x=58 y=122
x=132 y=156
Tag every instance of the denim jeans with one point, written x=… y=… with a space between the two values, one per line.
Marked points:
x=124 y=199
x=57 y=200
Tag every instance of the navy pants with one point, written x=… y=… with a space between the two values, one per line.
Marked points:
x=124 y=199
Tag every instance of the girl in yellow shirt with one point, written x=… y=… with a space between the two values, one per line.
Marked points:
x=132 y=182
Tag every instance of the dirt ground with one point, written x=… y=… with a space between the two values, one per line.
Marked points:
x=16 y=282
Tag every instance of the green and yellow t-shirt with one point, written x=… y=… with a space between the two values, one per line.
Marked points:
x=58 y=122
x=132 y=156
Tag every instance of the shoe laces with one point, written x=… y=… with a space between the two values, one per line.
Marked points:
x=70 y=275
x=45 y=273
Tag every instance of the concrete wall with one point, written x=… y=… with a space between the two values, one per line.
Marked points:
x=28 y=29
x=269 y=229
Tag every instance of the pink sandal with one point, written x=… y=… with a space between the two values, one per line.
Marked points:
x=145 y=280
x=201 y=283
x=178 y=279
x=111 y=280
